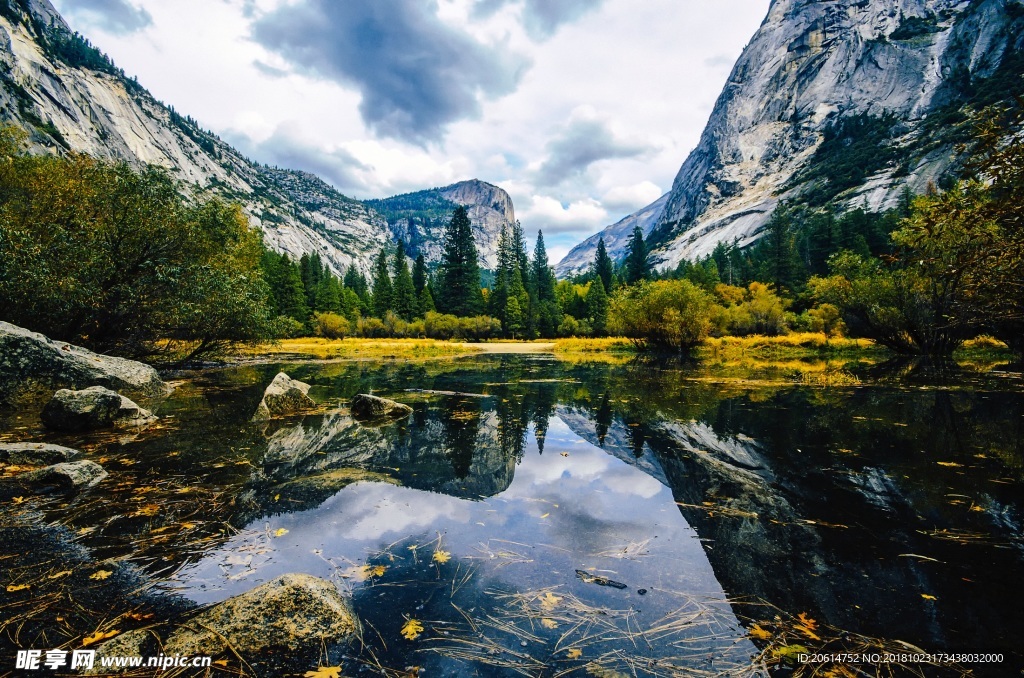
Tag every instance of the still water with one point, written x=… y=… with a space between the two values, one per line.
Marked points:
x=543 y=517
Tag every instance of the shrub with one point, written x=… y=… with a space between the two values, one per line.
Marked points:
x=331 y=326
x=667 y=315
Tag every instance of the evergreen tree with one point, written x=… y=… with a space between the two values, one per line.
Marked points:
x=328 y=294
x=403 y=290
x=497 y=300
x=425 y=301
x=458 y=290
x=546 y=312
x=597 y=307
x=781 y=262
x=636 y=266
x=312 y=271
x=354 y=280
x=290 y=296
x=604 y=268
x=419 y=274
x=382 y=295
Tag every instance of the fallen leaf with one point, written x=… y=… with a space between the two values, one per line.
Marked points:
x=807 y=621
x=324 y=672
x=549 y=623
x=442 y=556
x=58 y=575
x=574 y=653
x=277 y=497
x=377 y=570
x=791 y=651
x=221 y=662
x=545 y=516
x=100 y=575
x=758 y=633
x=549 y=601
x=98 y=637
x=927 y=597
x=280 y=532
x=147 y=510
x=11 y=588
x=17 y=500
x=950 y=464
x=412 y=629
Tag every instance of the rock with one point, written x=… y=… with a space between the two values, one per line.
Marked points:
x=137 y=643
x=28 y=359
x=92 y=408
x=35 y=453
x=284 y=396
x=68 y=477
x=367 y=408
x=294 y=611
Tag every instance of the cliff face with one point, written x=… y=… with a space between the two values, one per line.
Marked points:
x=877 y=78
x=419 y=219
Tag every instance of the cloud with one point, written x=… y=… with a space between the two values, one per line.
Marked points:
x=553 y=217
x=631 y=197
x=113 y=16
x=540 y=18
x=586 y=139
x=416 y=73
x=286 y=147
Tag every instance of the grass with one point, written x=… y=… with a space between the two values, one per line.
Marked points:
x=786 y=347
x=593 y=345
x=356 y=349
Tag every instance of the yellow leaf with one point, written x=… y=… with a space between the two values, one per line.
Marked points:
x=98 y=637
x=324 y=672
x=11 y=588
x=277 y=497
x=549 y=623
x=574 y=653
x=187 y=526
x=17 y=500
x=545 y=516
x=221 y=662
x=58 y=575
x=807 y=621
x=100 y=575
x=280 y=532
x=412 y=629
x=442 y=556
x=927 y=597
x=758 y=633
x=147 y=510
x=950 y=464
x=549 y=601
x=377 y=571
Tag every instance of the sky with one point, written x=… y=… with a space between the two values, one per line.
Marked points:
x=583 y=110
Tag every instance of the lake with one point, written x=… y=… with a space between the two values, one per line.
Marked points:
x=537 y=516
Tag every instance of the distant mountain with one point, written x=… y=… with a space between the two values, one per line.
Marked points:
x=843 y=103
x=616 y=237
x=70 y=97
x=420 y=218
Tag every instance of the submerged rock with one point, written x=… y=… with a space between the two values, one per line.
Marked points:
x=284 y=396
x=67 y=477
x=367 y=408
x=294 y=612
x=92 y=408
x=30 y=360
x=35 y=453
x=137 y=643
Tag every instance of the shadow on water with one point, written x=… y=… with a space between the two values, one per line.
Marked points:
x=891 y=510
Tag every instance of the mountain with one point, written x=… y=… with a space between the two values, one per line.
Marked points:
x=69 y=96
x=844 y=103
x=616 y=237
x=420 y=218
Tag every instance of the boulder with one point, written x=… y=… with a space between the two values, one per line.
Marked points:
x=368 y=408
x=293 y=612
x=68 y=477
x=28 y=360
x=137 y=643
x=35 y=453
x=92 y=408
x=284 y=396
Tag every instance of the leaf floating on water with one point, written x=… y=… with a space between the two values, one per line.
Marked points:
x=757 y=633
x=791 y=651
x=950 y=464
x=58 y=575
x=100 y=575
x=927 y=597
x=11 y=588
x=221 y=662
x=548 y=623
x=99 y=636
x=377 y=570
x=324 y=672
x=807 y=626
x=412 y=629
x=574 y=653
x=442 y=556
x=17 y=500
x=595 y=669
x=280 y=532
x=148 y=510
x=545 y=516
x=549 y=601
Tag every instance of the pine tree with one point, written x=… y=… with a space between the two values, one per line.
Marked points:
x=292 y=292
x=545 y=312
x=425 y=301
x=382 y=295
x=403 y=291
x=636 y=266
x=419 y=274
x=328 y=294
x=497 y=300
x=312 y=271
x=597 y=307
x=604 y=268
x=458 y=289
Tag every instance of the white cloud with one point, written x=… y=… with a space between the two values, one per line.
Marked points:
x=633 y=197
x=551 y=216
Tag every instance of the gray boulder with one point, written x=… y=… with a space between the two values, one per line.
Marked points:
x=29 y=360
x=34 y=453
x=293 y=612
x=284 y=396
x=369 y=408
x=137 y=643
x=92 y=408
x=68 y=477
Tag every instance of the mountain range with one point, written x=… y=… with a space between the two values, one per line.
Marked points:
x=839 y=104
